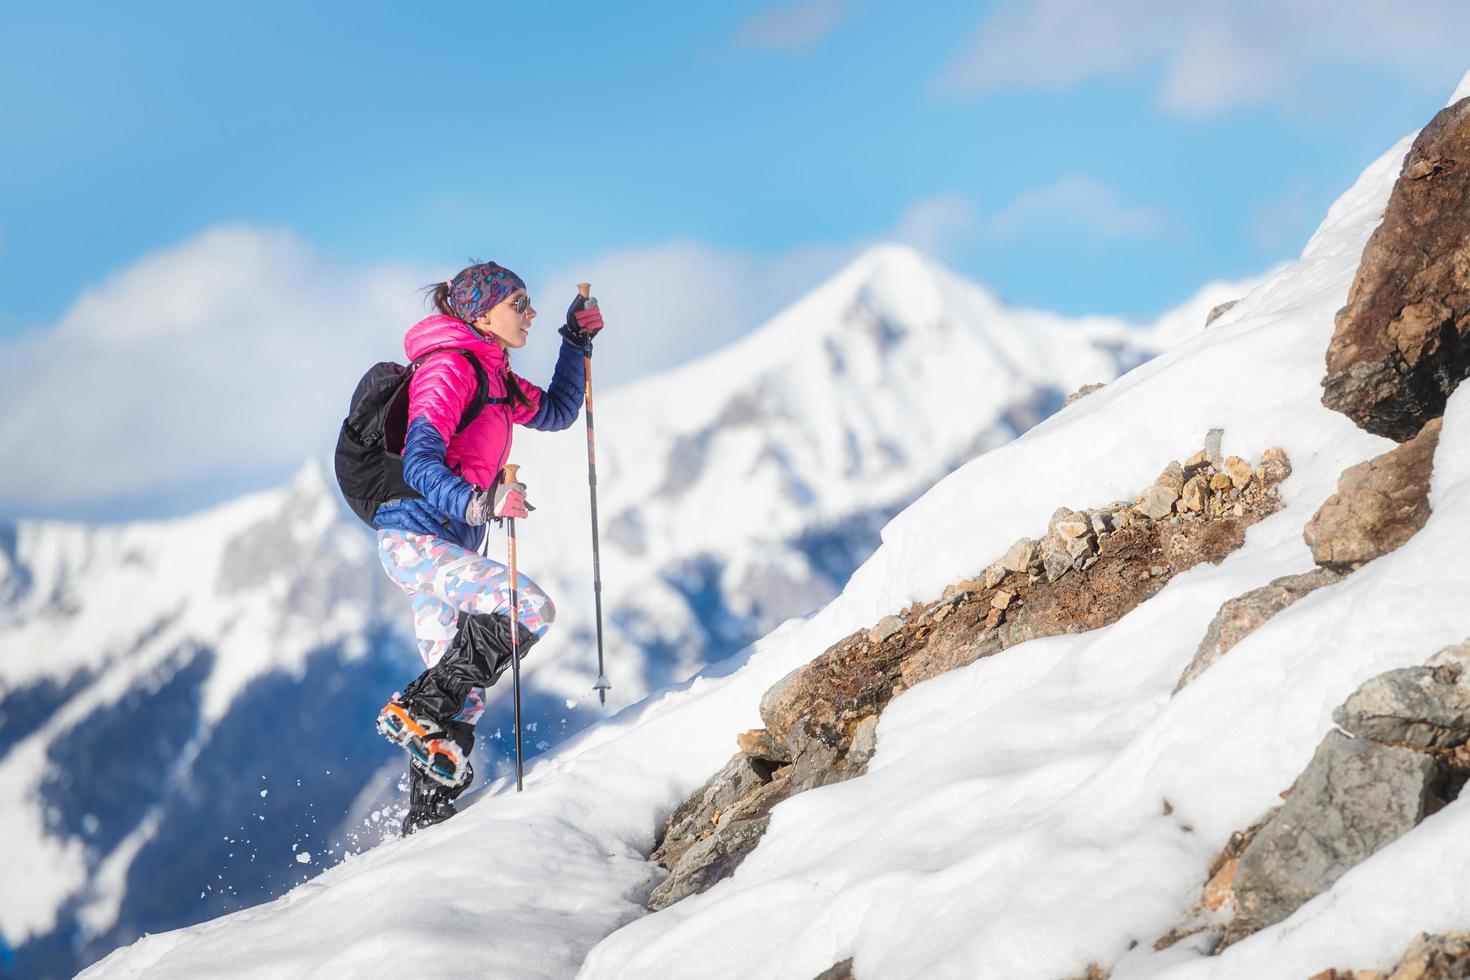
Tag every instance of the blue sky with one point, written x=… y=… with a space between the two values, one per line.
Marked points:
x=715 y=159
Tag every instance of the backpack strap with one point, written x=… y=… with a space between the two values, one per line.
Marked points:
x=482 y=386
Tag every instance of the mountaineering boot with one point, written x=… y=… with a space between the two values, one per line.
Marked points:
x=430 y=802
x=420 y=719
x=431 y=747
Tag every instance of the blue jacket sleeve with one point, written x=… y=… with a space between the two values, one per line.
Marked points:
x=425 y=471
x=562 y=400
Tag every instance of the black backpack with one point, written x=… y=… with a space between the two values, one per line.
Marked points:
x=369 y=460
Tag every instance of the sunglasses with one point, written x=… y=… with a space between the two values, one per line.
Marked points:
x=521 y=303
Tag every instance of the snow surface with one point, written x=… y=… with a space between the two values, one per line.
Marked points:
x=1012 y=822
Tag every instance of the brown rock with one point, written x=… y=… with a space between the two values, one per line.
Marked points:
x=1157 y=501
x=1072 y=526
x=1445 y=956
x=1196 y=494
x=825 y=699
x=886 y=628
x=1172 y=477
x=1243 y=615
x=1402 y=342
x=1019 y=556
x=1220 y=482
x=994 y=574
x=1056 y=560
x=1187 y=544
x=1442 y=957
x=1378 y=506
x=947 y=653
x=758 y=743
x=1217 y=891
x=1002 y=599
x=1239 y=472
x=1275 y=466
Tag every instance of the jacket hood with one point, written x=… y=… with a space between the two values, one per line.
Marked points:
x=438 y=330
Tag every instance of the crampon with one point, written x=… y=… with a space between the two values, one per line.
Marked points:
x=430 y=748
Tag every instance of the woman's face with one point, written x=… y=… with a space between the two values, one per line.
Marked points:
x=509 y=321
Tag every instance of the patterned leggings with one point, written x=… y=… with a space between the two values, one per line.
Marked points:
x=443 y=580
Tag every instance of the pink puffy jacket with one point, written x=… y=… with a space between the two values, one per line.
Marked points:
x=444 y=385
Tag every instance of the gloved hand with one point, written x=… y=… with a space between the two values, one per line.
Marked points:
x=507 y=500
x=510 y=500
x=584 y=320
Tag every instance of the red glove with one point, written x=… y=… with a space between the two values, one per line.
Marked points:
x=510 y=500
x=589 y=319
x=584 y=320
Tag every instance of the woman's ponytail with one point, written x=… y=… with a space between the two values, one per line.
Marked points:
x=439 y=296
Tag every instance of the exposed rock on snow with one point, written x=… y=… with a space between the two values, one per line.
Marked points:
x=1417 y=707
x=1441 y=957
x=1399 y=757
x=1354 y=798
x=1083 y=392
x=1402 y=342
x=717 y=827
x=1219 y=311
x=1378 y=506
x=1243 y=615
x=837 y=971
x=821 y=719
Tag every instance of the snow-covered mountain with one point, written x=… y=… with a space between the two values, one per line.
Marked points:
x=185 y=706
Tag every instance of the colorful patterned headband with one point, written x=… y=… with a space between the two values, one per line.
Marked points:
x=478 y=288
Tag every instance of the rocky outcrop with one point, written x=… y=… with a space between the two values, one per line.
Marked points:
x=1402 y=342
x=737 y=802
x=1401 y=754
x=1445 y=956
x=1378 y=506
x=1087 y=571
x=1417 y=707
x=1243 y=615
x=1354 y=798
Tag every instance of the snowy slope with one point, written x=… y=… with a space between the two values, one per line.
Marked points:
x=735 y=492
x=755 y=479
x=1011 y=823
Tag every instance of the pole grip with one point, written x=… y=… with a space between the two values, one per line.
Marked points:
x=512 y=473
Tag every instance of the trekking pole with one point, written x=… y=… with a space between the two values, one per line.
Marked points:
x=603 y=685
x=515 y=624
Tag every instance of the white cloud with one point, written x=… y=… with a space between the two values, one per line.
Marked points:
x=1213 y=55
x=1082 y=201
x=672 y=302
x=794 y=27
x=936 y=224
x=233 y=352
x=232 y=355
